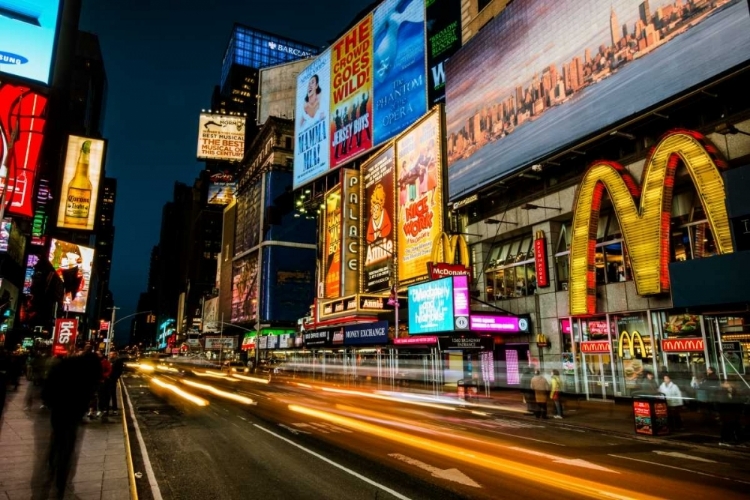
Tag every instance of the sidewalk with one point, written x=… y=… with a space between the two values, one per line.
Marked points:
x=101 y=472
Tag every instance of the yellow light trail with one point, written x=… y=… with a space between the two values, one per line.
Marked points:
x=164 y=368
x=388 y=398
x=219 y=392
x=183 y=394
x=251 y=379
x=565 y=482
x=145 y=367
x=215 y=375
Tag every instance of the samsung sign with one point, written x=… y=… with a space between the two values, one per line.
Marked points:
x=28 y=31
x=369 y=333
x=289 y=50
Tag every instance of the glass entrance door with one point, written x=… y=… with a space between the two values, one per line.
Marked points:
x=597 y=375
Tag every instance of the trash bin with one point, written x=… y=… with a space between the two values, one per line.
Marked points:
x=461 y=388
x=651 y=415
x=467 y=387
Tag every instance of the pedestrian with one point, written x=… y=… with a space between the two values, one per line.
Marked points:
x=104 y=385
x=648 y=385
x=117 y=363
x=556 y=393
x=70 y=386
x=526 y=393
x=672 y=393
x=730 y=408
x=541 y=389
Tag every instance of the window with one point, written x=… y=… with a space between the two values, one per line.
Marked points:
x=690 y=236
x=511 y=270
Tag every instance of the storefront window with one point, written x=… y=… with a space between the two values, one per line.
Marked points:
x=634 y=351
x=513 y=273
x=562 y=258
x=682 y=364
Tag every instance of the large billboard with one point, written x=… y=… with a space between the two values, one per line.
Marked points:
x=28 y=30
x=377 y=215
x=222 y=188
x=544 y=74
x=72 y=263
x=443 y=40
x=439 y=306
x=351 y=94
x=376 y=85
x=311 y=121
x=80 y=185
x=332 y=246
x=278 y=88
x=245 y=289
x=399 y=88
x=419 y=174
x=221 y=137
x=23 y=110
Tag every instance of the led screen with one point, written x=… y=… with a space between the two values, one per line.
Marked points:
x=443 y=40
x=431 y=307
x=543 y=74
x=222 y=189
x=80 y=185
x=28 y=29
x=72 y=262
x=245 y=289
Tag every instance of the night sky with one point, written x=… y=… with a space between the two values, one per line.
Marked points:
x=163 y=58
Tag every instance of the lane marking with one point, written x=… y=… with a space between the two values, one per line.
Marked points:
x=335 y=464
x=454 y=475
x=692 y=471
x=677 y=454
x=155 y=491
x=577 y=462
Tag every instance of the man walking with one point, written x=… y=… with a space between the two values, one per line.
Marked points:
x=541 y=389
x=117 y=363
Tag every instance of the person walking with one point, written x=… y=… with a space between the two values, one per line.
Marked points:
x=526 y=392
x=556 y=393
x=541 y=389
x=117 y=363
x=672 y=393
x=103 y=390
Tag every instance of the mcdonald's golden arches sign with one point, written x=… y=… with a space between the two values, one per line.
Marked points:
x=644 y=213
x=450 y=257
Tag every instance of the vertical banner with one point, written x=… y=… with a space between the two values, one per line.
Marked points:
x=312 y=104
x=420 y=197
x=378 y=206
x=398 y=67
x=80 y=184
x=443 y=40
x=332 y=253
x=351 y=93
x=350 y=261
x=66 y=331
x=540 y=260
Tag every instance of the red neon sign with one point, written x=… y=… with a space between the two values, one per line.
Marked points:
x=595 y=347
x=24 y=110
x=66 y=331
x=682 y=345
x=540 y=260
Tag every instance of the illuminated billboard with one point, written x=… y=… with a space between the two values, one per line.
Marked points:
x=443 y=40
x=332 y=245
x=245 y=289
x=311 y=122
x=23 y=110
x=399 y=90
x=375 y=80
x=72 y=263
x=378 y=209
x=419 y=172
x=351 y=94
x=28 y=30
x=80 y=185
x=543 y=74
x=439 y=306
x=278 y=90
x=221 y=137
x=222 y=189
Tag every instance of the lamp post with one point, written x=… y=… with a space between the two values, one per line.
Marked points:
x=111 y=332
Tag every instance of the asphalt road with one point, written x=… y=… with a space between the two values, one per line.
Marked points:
x=294 y=439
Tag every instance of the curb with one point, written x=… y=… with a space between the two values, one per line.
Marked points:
x=128 y=452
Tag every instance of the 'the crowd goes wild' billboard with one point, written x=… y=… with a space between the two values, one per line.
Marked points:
x=366 y=89
x=80 y=186
x=545 y=73
x=72 y=262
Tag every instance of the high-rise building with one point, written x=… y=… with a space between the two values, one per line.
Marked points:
x=100 y=298
x=614 y=28
x=644 y=12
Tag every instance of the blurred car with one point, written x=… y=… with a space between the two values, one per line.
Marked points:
x=236 y=367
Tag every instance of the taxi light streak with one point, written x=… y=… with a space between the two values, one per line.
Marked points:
x=215 y=375
x=183 y=394
x=496 y=463
x=387 y=398
x=250 y=379
x=218 y=392
x=145 y=367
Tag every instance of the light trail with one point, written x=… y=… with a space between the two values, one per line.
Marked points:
x=251 y=379
x=558 y=480
x=387 y=398
x=219 y=392
x=221 y=376
x=183 y=394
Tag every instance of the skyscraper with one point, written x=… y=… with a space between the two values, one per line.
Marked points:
x=614 y=28
x=644 y=12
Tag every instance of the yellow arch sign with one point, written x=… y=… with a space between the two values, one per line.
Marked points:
x=632 y=339
x=644 y=223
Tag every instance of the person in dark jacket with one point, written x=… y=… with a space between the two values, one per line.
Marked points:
x=526 y=391
x=67 y=392
x=117 y=364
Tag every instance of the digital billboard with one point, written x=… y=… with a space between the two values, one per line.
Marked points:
x=443 y=40
x=23 y=110
x=222 y=189
x=311 y=120
x=278 y=89
x=378 y=209
x=245 y=289
x=543 y=74
x=80 y=185
x=332 y=246
x=72 y=263
x=288 y=287
x=221 y=137
x=399 y=86
x=419 y=174
x=439 y=306
x=210 y=317
x=375 y=76
x=28 y=30
x=351 y=94
x=6 y=226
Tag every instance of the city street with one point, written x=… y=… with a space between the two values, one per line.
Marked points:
x=238 y=437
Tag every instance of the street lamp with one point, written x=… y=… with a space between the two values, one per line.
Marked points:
x=111 y=332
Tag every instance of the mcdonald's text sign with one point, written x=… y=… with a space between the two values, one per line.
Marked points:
x=683 y=345
x=595 y=347
x=644 y=213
